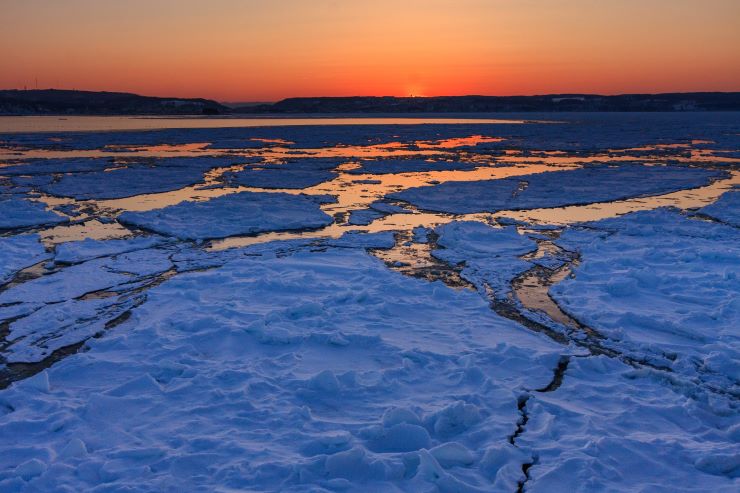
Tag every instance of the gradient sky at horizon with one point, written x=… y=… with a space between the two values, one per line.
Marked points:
x=262 y=50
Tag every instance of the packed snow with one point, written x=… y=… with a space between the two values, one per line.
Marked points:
x=490 y=256
x=282 y=374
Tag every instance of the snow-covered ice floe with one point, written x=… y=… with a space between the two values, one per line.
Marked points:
x=19 y=252
x=726 y=209
x=383 y=166
x=326 y=370
x=237 y=214
x=135 y=179
x=665 y=285
x=18 y=212
x=556 y=189
x=296 y=173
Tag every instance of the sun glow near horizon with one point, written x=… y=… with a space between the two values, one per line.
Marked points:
x=264 y=51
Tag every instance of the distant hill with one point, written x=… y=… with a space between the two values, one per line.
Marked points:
x=61 y=102
x=695 y=101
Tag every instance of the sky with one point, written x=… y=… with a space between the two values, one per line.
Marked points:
x=266 y=50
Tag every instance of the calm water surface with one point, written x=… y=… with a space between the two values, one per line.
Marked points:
x=24 y=124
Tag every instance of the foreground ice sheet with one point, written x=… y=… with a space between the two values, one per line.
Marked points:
x=238 y=214
x=315 y=370
x=325 y=371
x=592 y=434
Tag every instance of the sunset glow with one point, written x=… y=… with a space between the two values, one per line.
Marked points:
x=258 y=50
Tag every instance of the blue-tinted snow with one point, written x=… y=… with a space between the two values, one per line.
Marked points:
x=555 y=189
x=374 y=211
x=19 y=252
x=282 y=374
x=726 y=209
x=164 y=175
x=19 y=213
x=590 y=435
x=74 y=252
x=56 y=165
x=490 y=255
x=297 y=173
x=663 y=283
x=237 y=214
x=384 y=166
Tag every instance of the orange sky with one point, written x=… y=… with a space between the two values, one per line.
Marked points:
x=264 y=50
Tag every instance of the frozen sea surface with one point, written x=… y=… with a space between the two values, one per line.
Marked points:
x=340 y=308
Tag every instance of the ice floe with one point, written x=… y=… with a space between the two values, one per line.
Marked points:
x=237 y=214
x=19 y=252
x=663 y=283
x=555 y=189
x=22 y=213
x=726 y=209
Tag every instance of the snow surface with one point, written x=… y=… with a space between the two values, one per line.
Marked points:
x=490 y=255
x=20 y=213
x=287 y=374
x=385 y=166
x=19 y=252
x=74 y=252
x=54 y=165
x=663 y=283
x=592 y=434
x=167 y=174
x=297 y=173
x=726 y=209
x=237 y=214
x=374 y=211
x=555 y=189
